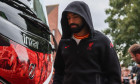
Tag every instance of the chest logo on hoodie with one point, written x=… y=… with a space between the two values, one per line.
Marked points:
x=90 y=46
x=67 y=46
x=111 y=45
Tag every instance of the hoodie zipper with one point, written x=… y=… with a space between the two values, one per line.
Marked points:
x=98 y=79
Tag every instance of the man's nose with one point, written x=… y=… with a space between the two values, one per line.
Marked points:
x=71 y=21
x=133 y=59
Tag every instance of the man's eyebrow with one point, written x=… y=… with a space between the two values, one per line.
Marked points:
x=75 y=14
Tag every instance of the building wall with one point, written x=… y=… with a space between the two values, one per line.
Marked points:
x=52 y=13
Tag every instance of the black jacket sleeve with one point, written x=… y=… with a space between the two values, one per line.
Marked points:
x=110 y=63
x=58 y=67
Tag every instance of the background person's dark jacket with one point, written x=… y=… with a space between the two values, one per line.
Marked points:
x=136 y=70
x=92 y=61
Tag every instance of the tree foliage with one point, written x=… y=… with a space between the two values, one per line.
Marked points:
x=124 y=26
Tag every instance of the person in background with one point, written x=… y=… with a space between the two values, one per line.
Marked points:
x=135 y=70
x=134 y=51
x=125 y=76
x=84 y=55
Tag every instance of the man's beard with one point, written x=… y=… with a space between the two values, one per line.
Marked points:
x=76 y=29
x=138 y=62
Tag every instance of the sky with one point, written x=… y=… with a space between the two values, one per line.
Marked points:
x=97 y=8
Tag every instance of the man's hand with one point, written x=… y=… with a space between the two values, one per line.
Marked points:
x=132 y=81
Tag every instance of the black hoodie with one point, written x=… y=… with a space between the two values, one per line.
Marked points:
x=92 y=61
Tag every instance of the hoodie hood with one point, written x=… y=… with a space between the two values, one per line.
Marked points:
x=80 y=8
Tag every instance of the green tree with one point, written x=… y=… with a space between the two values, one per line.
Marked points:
x=39 y=10
x=124 y=26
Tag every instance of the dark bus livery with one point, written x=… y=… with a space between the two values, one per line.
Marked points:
x=25 y=47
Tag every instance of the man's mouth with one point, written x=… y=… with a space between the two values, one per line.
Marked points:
x=73 y=26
